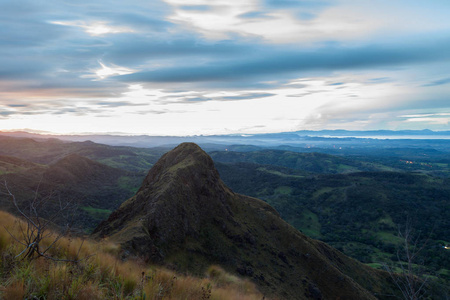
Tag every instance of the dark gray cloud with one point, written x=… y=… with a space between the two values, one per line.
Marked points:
x=33 y=49
x=256 y=15
x=281 y=63
x=196 y=7
x=135 y=49
x=198 y=97
x=195 y=99
x=158 y=112
x=37 y=54
x=118 y=103
x=248 y=96
x=18 y=105
x=307 y=93
x=140 y=20
x=24 y=24
x=380 y=80
x=438 y=82
x=76 y=110
x=6 y=113
x=281 y=4
x=305 y=10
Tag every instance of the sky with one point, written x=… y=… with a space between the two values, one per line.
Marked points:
x=201 y=67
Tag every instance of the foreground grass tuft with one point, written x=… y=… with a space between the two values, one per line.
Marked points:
x=96 y=272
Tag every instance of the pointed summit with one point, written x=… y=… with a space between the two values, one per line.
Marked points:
x=187 y=162
x=181 y=194
x=185 y=216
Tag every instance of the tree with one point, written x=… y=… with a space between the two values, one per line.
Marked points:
x=35 y=231
x=410 y=279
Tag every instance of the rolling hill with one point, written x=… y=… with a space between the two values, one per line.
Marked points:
x=49 y=151
x=92 y=189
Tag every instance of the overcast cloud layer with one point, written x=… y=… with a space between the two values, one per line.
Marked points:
x=184 y=67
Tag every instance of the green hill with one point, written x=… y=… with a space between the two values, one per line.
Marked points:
x=92 y=189
x=185 y=216
x=10 y=164
x=51 y=150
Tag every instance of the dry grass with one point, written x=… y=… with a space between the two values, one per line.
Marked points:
x=96 y=272
x=223 y=281
x=14 y=291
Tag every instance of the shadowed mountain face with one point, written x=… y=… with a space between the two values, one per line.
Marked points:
x=184 y=216
x=92 y=189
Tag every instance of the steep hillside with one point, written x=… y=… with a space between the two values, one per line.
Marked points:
x=185 y=216
x=91 y=188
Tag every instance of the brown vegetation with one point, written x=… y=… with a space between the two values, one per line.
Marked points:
x=102 y=275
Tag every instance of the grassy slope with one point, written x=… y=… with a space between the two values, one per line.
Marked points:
x=101 y=274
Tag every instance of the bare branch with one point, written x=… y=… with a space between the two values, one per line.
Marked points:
x=27 y=248
x=409 y=281
x=36 y=228
x=17 y=240
x=17 y=206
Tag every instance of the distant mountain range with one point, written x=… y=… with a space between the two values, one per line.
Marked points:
x=283 y=138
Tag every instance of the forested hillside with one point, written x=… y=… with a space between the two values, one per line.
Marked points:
x=358 y=213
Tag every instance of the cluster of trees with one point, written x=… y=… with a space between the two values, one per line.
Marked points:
x=361 y=208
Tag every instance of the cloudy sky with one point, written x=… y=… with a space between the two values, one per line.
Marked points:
x=186 y=67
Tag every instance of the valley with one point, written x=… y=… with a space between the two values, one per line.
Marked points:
x=355 y=200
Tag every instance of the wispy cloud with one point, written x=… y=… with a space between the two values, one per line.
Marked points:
x=333 y=63
x=98 y=28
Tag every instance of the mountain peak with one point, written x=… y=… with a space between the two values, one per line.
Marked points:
x=185 y=216
x=188 y=165
x=187 y=147
x=181 y=193
x=186 y=154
